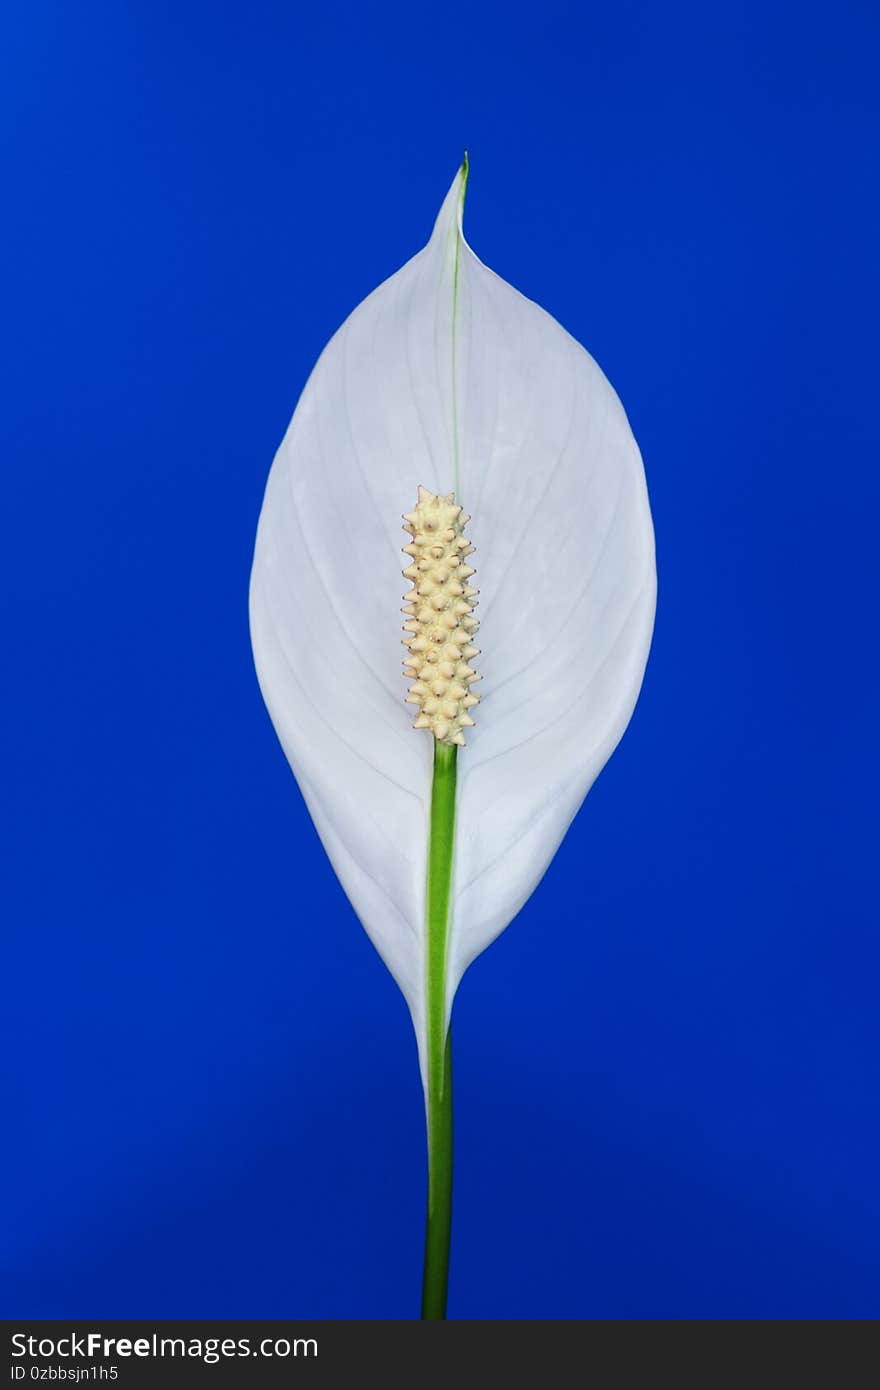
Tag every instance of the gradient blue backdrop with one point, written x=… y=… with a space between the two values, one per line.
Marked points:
x=667 y=1067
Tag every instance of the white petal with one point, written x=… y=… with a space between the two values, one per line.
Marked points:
x=447 y=376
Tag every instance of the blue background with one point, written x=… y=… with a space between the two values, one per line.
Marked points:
x=667 y=1067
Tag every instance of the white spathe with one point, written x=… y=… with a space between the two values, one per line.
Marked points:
x=446 y=376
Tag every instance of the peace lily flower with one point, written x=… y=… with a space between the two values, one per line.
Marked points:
x=447 y=388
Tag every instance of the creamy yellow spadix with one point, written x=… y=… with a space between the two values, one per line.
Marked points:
x=440 y=622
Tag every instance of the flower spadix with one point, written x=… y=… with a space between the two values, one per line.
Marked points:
x=446 y=378
x=440 y=622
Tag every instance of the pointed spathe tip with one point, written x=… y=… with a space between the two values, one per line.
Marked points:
x=450 y=214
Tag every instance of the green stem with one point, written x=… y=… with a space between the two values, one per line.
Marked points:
x=439 y=1059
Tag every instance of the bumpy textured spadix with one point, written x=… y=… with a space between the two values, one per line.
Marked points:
x=440 y=622
x=447 y=377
